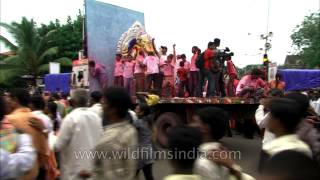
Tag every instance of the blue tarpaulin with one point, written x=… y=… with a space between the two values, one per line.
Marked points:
x=58 y=82
x=301 y=79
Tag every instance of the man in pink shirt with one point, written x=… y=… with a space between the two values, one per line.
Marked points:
x=152 y=62
x=118 y=71
x=168 y=71
x=249 y=84
x=194 y=74
x=97 y=76
x=129 y=65
x=139 y=72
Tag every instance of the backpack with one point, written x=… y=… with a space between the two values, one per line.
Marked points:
x=200 y=61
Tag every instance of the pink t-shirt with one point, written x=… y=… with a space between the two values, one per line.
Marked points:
x=186 y=64
x=128 y=69
x=193 y=63
x=138 y=68
x=168 y=69
x=152 y=63
x=118 y=68
x=246 y=81
x=163 y=59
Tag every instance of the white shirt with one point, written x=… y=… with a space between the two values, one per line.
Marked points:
x=45 y=119
x=316 y=106
x=209 y=170
x=97 y=108
x=152 y=63
x=14 y=165
x=287 y=142
x=79 y=133
x=133 y=115
x=262 y=119
x=162 y=60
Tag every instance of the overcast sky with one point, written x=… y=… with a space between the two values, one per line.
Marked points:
x=238 y=23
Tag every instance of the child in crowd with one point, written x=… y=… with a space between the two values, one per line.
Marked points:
x=152 y=62
x=187 y=66
x=118 y=71
x=145 y=147
x=186 y=63
x=129 y=65
x=168 y=82
x=182 y=74
x=183 y=143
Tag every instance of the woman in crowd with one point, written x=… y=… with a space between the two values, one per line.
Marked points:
x=145 y=147
x=278 y=83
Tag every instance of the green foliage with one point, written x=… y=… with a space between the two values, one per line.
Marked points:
x=68 y=37
x=32 y=52
x=306 y=38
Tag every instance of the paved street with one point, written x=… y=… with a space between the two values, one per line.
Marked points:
x=250 y=150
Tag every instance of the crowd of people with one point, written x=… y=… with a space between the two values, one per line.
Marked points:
x=202 y=76
x=50 y=136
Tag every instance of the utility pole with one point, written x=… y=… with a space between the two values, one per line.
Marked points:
x=267 y=45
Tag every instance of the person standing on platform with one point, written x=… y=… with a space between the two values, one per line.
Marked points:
x=182 y=74
x=118 y=71
x=152 y=81
x=232 y=82
x=168 y=82
x=163 y=58
x=139 y=72
x=194 y=73
x=129 y=65
x=206 y=73
x=217 y=71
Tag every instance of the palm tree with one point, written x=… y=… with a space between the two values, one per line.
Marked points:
x=32 y=52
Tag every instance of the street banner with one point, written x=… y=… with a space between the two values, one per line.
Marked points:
x=272 y=71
